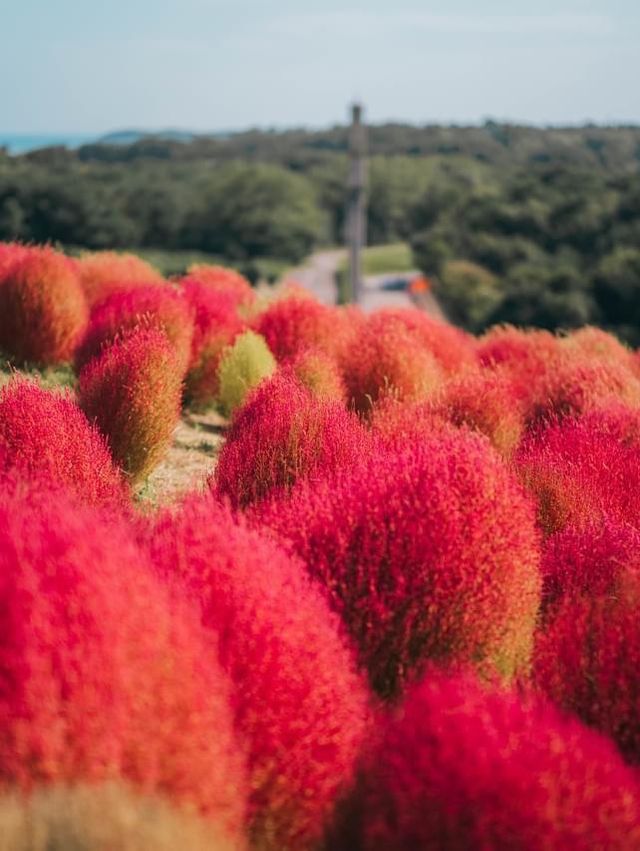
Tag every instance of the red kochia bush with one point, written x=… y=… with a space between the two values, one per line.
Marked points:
x=451 y=347
x=133 y=392
x=105 y=272
x=216 y=325
x=159 y=307
x=45 y=433
x=320 y=373
x=587 y=659
x=574 y=384
x=459 y=768
x=582 y=470
x=386 y=359
x=10 y=252
x=299 y=705
x=282 y=434
x=104 y=673
x=294 y=324
x=427 y=553
x=225 y=281
x=484 y=401
x=43 y=311
x=592 y=561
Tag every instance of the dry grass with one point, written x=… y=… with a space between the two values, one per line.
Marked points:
x=192 y=457
x=101 y=818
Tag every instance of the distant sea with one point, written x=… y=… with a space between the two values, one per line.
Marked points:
x=19 y=144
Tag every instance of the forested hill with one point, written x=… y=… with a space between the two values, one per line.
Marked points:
x=499 y=144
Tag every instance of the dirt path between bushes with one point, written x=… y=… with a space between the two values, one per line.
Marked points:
x=188 y=463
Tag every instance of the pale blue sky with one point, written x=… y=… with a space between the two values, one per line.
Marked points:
x=87 y=66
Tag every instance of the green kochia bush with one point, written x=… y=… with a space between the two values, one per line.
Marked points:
x=244 y=365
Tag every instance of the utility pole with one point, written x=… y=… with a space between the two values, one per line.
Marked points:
x=356 y=222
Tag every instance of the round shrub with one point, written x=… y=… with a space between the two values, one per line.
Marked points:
x=523 y=356
x=46 y=434
x=580 y=471
x=592 y=560
x=587 y=657
x=574 y=384
x=451 y=347
x=299 y=704
x=216 y=325
x=43 y=311
x=483 y=400
x=105 y=673
x=598 y=345
x=386 y=359
x=292 y=325
x=225 y=281
x=320 y=373
x=459 y=767
x=10 y=252
x=284 y=433
x=132 y=391
x=102 y=817
x=148 y=306
x=103 y=273
x=396 y=423
x=242 y=367
x=427 y=554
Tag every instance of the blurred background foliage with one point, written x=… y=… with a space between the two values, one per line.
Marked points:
x=514 y=224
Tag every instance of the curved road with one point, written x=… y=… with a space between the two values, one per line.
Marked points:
x=318 y=275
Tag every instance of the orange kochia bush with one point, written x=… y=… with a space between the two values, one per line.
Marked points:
x=102 y=273
x=43 y=310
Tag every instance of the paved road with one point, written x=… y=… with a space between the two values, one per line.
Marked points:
x=318 y=276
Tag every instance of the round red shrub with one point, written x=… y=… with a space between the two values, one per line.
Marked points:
x=227 y=281
x=152 y=306
x=397 y=423
x=451 y=347
x=284 y=433
x=574 y=384
x=106 y=673
x=598 y=345
x=587 y=657
x=133 y=391
x=320 y=373
x=484 y=401
x=580 y=471
x=386 y=359
x=458 y=767
x=292 y=325
x=43 y=311
x=592 y=560
x=524 y=357
x=426 y=553
x=103 y=273
x=216 y=325
x=10 y=252
x=46 y=433
x=299 y=704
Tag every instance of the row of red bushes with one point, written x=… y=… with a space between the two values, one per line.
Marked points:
x=405 y=616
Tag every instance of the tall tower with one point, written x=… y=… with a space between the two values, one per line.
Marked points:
x=356 y=211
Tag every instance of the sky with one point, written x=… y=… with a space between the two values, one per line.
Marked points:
x=84 y=66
